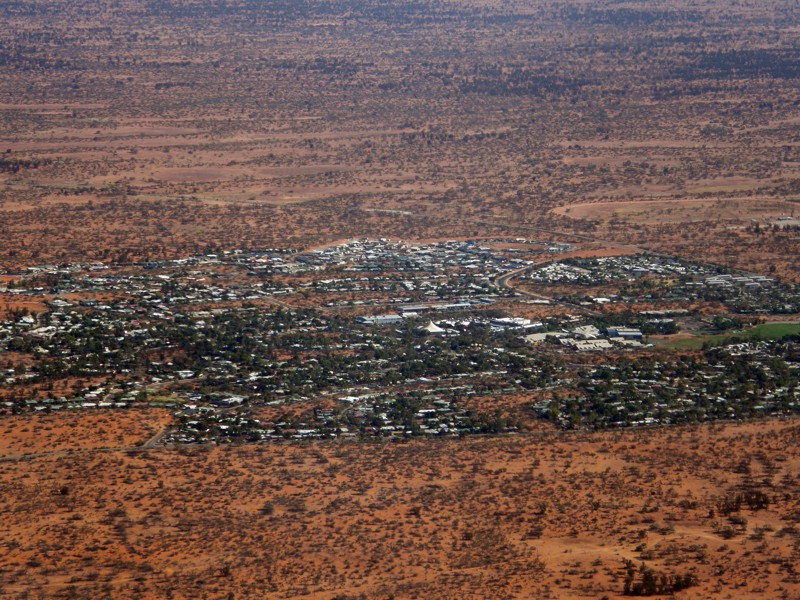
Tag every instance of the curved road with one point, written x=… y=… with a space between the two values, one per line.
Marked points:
x=504 y=281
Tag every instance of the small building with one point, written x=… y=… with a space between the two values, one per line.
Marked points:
x=380 y=320
x=586 y=332
x=587 y=345
x=538 y=338
x=625 y=333
x=433 y=328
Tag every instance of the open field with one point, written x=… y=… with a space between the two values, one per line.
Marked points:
x=78 y=432
x=515 y=517
x=655 y=212
x=767 y=331
x=148 y=130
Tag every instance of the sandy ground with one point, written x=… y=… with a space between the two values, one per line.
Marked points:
x=541 y=515
x=680 y=211
x=26 y=435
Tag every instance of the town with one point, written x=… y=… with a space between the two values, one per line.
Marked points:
x=375 y=299
x=395 y=339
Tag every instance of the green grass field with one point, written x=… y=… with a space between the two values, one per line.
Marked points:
x=767 y=331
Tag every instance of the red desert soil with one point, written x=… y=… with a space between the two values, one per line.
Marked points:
x=680 y=211
x=539 y=516
x=22 y=435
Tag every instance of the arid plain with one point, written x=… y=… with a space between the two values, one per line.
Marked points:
x=544 y=516
x=138 y=131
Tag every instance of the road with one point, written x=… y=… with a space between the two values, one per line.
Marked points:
x=505 y=282
x=65 y=453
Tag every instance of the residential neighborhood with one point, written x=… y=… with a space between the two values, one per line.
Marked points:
x=385 y=338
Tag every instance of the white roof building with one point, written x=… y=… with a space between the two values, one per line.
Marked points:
x=431 y=327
